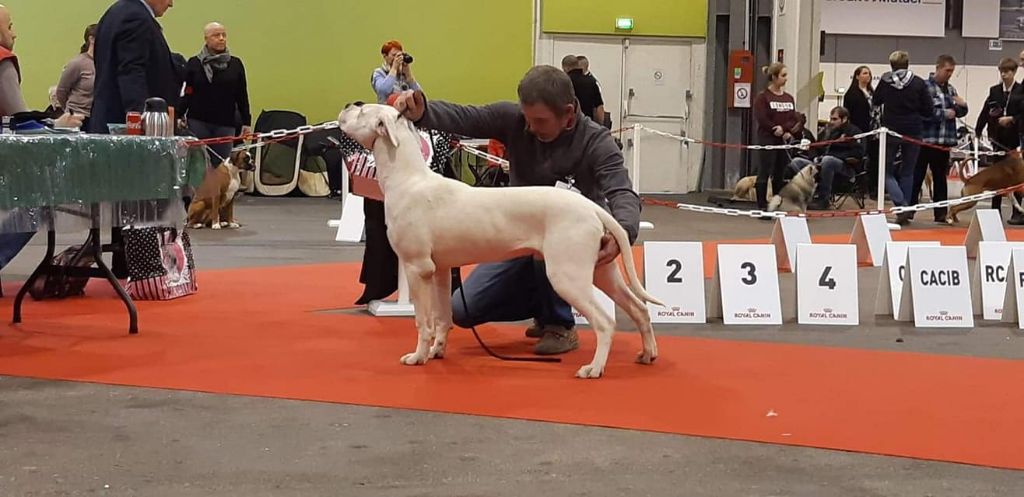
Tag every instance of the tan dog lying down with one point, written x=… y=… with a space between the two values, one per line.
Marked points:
x=1007 y=172
x=436 y=223
x=745 y=189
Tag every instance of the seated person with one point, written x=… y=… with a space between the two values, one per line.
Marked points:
x=799 y=159
x=12 y=103
x=833 y=158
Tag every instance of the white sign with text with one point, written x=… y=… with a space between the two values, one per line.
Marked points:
x=1013 y=299
x=674 y=273
x=939 y=291
x=903 y=18
x=890 y=281
x=826 y=284
x=988 y=281
x=745 y=286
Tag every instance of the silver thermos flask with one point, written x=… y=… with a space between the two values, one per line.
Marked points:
x=155 y=119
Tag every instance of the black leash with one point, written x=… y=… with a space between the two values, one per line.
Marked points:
x=457 y=272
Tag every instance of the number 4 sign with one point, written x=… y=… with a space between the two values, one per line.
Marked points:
x=745 y=287
x=826 y=285
x=674 y=273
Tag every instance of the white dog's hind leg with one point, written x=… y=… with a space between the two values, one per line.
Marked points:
x=609 y=280
x=442 y=288
x=420 y=279
x=572 y=276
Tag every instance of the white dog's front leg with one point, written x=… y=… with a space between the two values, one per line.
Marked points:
x=419 y=290
x=442 y=291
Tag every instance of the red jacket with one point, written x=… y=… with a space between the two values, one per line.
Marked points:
x=6 y=54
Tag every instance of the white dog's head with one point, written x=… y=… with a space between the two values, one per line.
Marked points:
x=364 y=123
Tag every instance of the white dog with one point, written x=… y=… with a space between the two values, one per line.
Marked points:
x=436 y=223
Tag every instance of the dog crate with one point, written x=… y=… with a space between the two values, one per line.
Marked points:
x=278 y=163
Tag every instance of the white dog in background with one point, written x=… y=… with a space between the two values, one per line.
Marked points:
x=436 y=223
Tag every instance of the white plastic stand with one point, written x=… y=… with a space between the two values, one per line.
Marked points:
x=402 y=307
x=883 y=138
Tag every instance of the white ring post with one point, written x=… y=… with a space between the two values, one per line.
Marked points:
x=636 y=157
x=883 y=135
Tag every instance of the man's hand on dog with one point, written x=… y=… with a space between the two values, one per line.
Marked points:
x=1006 y=121
x=412 y=104
x=609 y=250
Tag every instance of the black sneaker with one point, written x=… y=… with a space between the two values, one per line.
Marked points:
x=819 y=205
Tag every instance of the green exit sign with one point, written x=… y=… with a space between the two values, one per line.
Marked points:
x=624 y=23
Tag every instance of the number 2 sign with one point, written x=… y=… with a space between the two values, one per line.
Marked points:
x=674 y=273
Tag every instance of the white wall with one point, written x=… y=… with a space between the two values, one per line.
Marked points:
x=797 y=33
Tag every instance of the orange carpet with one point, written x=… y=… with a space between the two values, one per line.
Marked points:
x=256 y=332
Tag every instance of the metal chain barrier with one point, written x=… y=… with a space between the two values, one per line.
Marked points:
x=824 y=214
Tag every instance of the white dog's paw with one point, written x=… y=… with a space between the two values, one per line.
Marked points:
x=233 y=226
x=437 y=351
x=197 y=226
x=215 y=226
x=589 y=372
x=646 y=358
x=413 y=359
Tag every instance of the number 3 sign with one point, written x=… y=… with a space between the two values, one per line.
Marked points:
x=745 y=288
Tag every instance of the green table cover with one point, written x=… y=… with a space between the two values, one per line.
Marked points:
x=51 y=170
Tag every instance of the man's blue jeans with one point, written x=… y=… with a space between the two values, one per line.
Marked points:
x=513 y=290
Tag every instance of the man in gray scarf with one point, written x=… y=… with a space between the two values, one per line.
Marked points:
x=214 y=54
x=216 y=101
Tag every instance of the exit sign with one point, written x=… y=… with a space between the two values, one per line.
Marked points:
x=624 y=23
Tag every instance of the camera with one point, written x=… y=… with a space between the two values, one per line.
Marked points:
x=407 y=58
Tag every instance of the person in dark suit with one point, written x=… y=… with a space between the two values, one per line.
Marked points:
x=1001 y=114
x=133 y=62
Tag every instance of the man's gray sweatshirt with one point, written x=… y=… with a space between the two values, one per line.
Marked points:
x=586 y=153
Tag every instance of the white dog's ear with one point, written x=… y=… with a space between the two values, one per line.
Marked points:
x=387 y=126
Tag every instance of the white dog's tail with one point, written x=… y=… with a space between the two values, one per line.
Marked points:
x=622 y=239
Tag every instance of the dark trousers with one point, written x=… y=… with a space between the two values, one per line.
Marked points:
x=772 y=163
x=204 y=130
x=938 y=162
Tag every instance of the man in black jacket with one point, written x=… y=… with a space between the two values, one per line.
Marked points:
x=1001 y=114
x=833 y=159
x=133 y=62
x=906 y=103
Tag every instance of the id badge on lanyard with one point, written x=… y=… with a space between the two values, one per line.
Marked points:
x=569 y=183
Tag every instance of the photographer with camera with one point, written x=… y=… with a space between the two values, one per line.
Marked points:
x=379 y=273
x=395 y=75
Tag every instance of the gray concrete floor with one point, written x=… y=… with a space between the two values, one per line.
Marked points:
x=62 y=438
